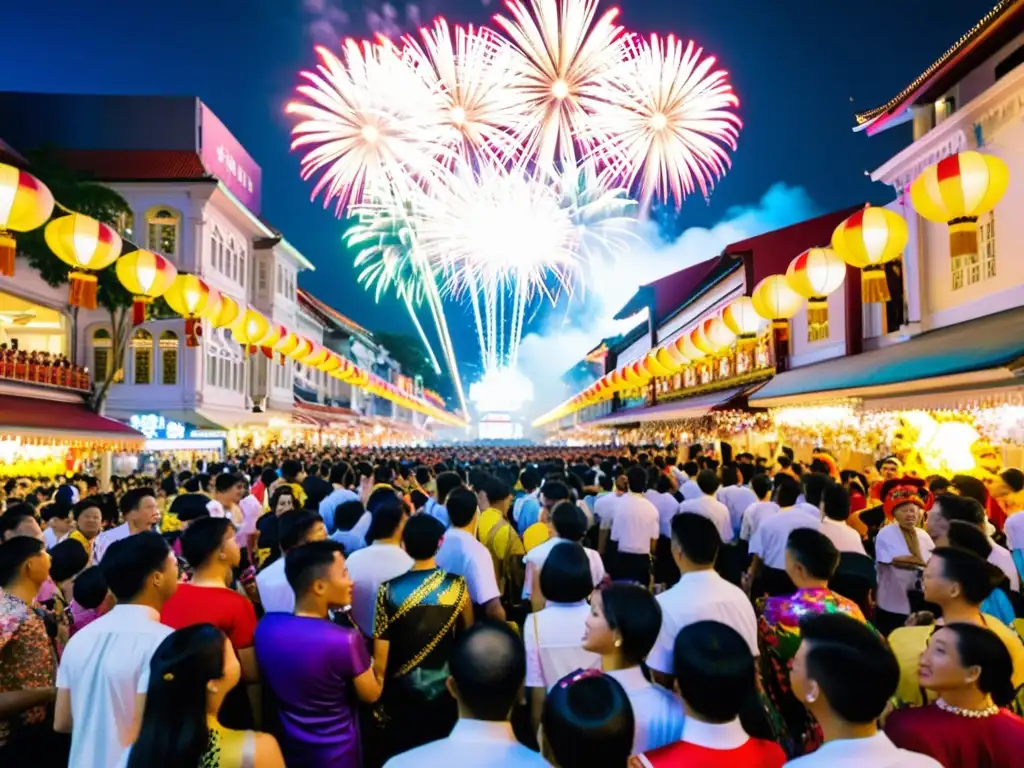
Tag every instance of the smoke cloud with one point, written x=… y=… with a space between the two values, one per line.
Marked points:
x=570 y=332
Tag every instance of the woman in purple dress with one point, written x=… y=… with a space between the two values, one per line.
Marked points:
x=314 y=669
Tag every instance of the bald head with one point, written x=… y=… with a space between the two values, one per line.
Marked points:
x=488 y=665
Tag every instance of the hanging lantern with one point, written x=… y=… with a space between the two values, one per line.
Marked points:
x=332 y=363
x=774 y=300
x=717 y=333
x=87 y=246
x=302 y=349
x=287 y=344
x=269 y=341
x=691 y=351
x=147 y=276
x=956 y=191
x=224 y=311
x=741 y=318
x=815 y=274
x=250 y=329
x=868 y=240
x=317 y=356
x=666 y=360
x=652 y=367
x=189 y=296
x=25 y=204
x=702 y=342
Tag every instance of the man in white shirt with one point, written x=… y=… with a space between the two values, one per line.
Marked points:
x=737 y=497
x=762 y=487
x=382 y=561
x=949 y=507
x=660 y=495
x=570 y=526
x=813 y=485
x=488 y=665
x=58 y=523
x=604 y=510
x=297 y=527
x=634 y=530
x=700 y=595
x=104 y=672
x=836 y=510
x=446 y=483
x=707 y=505
x=139 y=511
x=845 y=674
x=767 y=574
x=462 y=554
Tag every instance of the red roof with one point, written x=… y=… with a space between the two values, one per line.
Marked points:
x=63 y=420
x=328 y=312
x=137 y=164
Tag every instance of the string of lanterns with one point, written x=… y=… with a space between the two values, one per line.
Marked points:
x=89 y=246
x=955 y=191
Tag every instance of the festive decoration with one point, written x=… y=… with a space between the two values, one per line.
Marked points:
x=956 y=191
x=87 y=246
x=302 y=349
x=190 y=296
x=147 y=276
x=250 y=330
x=815 y=274
x=868 y=240
x=741 y=318
x=25 y=204
x=717 y=333
x=287 y=344
x=689 y=349
x=774 y=300
x=224 y=312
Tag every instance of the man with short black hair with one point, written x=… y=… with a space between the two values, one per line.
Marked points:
x=835 y=507
x=464 y=556
x=435 y=507
x=298 y=527
x=763 y=487
x=570 y=524
x=526 y=509
x=318 y=486
x=635 y=529
x=707 y=505
x=766 y=574
x=139 y=511
x=488 y=666
x=735 y=494
x=497 y=533
x=342 y=478
x=382 y=560
x=104 y=672
x=949 y=507
x=20 y=520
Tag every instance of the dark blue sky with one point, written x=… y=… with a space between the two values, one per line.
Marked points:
x=800 y=67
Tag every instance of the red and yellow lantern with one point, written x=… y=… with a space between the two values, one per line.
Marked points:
x=316 y=357
x=956 y=191
x=816 y=274
x=740 y=317
x=147 y=276
x=302 y=349
x=774 y=300
x=868 y=240
x=251 y=329
x=717 y=333
x=652 y=367
x=25 y=204
x=190 y=296
x=667 y=361
x=87 y=246
x=287 y=344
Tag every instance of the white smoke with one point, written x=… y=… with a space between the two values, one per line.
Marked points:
x=568 y=335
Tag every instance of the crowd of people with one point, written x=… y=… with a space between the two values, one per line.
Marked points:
x=512 y=607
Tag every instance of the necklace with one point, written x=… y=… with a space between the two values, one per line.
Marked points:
x=977 y=714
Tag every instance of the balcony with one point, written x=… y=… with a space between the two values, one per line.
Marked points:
x=41 y=369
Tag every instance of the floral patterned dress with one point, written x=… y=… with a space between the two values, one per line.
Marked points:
x=27 y=659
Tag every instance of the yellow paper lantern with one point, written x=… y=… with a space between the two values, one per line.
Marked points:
x=667 y=361
x=147 y=276
x=717 y=333
x=251 y=328
x=25 y=204
x=653 y=367
x=691 y=351
x=87 y=246
x=774 y=300
x=189 y=296
x=741 y=318
x=956 y=191
x=316 y=357
x=302 y=349
x=702 y=342
x=815 y=274
x=868 y=240
x=224 y=312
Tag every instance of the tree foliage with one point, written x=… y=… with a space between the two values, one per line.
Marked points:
x=407 y=351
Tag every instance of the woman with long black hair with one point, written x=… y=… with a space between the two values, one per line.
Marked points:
x=191 y=672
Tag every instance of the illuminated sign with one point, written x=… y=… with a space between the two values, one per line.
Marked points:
x=155 y=427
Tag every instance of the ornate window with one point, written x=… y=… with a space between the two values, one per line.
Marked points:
x=975 y=267
x=162 y=231
x=102 y=349
x=125 y=224
x=217 y=250
x=142 y=356
x=169 y=358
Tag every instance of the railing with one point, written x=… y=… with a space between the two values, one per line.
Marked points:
x=61 y=373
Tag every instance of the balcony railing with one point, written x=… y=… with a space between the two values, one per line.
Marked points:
x=44 y=370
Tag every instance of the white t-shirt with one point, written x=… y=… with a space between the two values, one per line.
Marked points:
x=104 y=666
x=754 y=515
x=534 y=559
x=554 y=644
x=737 y=498
x=604 y=509
x=1003 y=560
x=667 y=507
x=701 y=596
x=463 y=555
x=105 y=539
x=842 y=535
x=635 y=524
x=369 y=568
x=713 y=510
x=769 y=540
x=472 y=744
x=691 y=490
x=276 y=594
x=876 y=751
x=893 y=582
x=657 y=713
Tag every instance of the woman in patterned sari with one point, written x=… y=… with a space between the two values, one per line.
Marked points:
x=415 y=621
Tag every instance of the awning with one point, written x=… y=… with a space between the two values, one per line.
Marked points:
x=978 y=354
x=687 y=408
x=322 y=416
x=35 y=418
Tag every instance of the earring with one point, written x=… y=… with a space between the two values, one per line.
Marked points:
x=811 y=698
x=618 y=643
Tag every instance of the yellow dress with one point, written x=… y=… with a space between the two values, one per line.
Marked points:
x=228 y=748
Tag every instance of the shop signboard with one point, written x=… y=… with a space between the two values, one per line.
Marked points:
x=226 y=158
x=156 y=427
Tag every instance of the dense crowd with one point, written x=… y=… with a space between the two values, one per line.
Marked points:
x=513 y=607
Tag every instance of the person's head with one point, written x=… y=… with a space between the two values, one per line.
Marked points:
x=268 y=476
x=494 y=493
x=462 y=507
x=762 y=486
x=962 y=657
x=191 y=672
x=907 y=515
x=835 y=502
x=23 y=562
x=637 y=478
x=300 y=526
x=348 y=514
x=67 y=560
x=341 y=475
x=325 y=469
x=811 y=558
x=422 y=536
x=386 y=521
x=707 y=481
x=553 y=492
x=317 y=574
x=966 y=536
x=695 y=542
x=88 y=517
x=229 y=488
x=530 y=479
x=90 y=588
x=20 y=520
x=1007 y=482
x=383 y=474
x=958 y=576
x=141 y=569
x=139 y=508
x=487 y=668
x=971 y=488
x=624 y=621
x=843 y=669
x=57 y=517
x=292 y=471
x=714 y=668
x=588 y=720
x=209 y=542
x=787 y=490
x=730 y=476
x=890 y=468
x=949 y=507
x=565 y=576
x=814 y=485
x=446 y=483
x=282 y=500
x=569 y=521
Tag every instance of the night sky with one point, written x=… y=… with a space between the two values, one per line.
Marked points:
x=801 y=69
